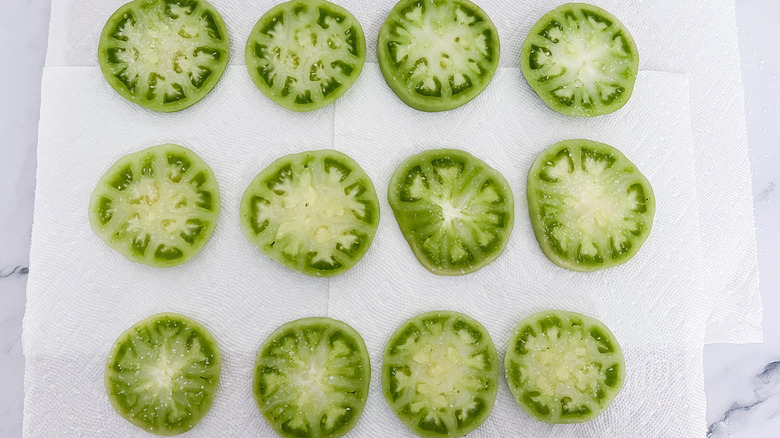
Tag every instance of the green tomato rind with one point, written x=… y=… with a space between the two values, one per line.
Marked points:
x=455 y=211
x=311 y=378
x=315 y=212
x=318 y=66
x=441 y=74
x=440 y=374
x=590 y=207
x=599 y=59
x=184 y=40
x=146 y=363
x=157 y=207
x=564 y=367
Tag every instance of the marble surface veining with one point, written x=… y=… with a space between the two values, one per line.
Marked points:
x=742 y=381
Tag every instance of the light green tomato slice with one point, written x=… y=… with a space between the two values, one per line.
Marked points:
x=581 y=60
x=440 y=374
x=563 y=367
x=158 y=206
x=437 y=55
x=315 y=212
x=311 y=378
x=305 y=54
x=455 y=211
x=590 y=206
x=162 y=374
x=164 y=55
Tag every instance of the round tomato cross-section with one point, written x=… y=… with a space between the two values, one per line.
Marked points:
x=563 y=367
x=305 y=54
x=158 y=206
x=315 y=212
x=311 y=378
x=164 y=55
x=437 y=55
x=162 y=374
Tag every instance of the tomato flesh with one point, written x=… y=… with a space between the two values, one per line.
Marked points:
x=305 y=54
x=563 y=367
x=437 y=55
x=581 y=60
x=590 y=207
x=440 y=374
x=165 y=55
x=158 y=206
x=311 y=378
x=162 y=374
x=454 y=210
x=315 y=212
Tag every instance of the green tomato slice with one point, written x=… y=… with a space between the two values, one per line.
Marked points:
x=563 y=367
x=311 y=378
x=164 y=55
x=158 y=206
x=454 y=210
x=315 y=212
x=440 y=374
x=305 y=54
x=581 y=60
x=590 y=207
x=437 y=55
x=162 y=374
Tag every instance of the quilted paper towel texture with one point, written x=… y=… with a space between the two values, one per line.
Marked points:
x=654 y=304
x=81 y=294
x=694 y=37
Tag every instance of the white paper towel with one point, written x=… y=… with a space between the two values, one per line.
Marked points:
x=694 y=37
x=654 y=304
x=81 y=294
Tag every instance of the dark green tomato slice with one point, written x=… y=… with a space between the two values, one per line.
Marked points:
x=164 y=55
x=440 y=374
x=162 y=374
x=315 y=212
x=563 y=367
x=158 y=206
x=305 y=54
x=581 y=60
x=311 y=378
x=590 y=207
x=454 y=210
x=437 y=55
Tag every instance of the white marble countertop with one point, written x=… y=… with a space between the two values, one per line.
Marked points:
x=742 y=381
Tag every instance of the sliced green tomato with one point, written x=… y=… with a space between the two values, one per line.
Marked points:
x=164 y=55
x=158 y=206
x=315 y=212
x=305 y=54
x=440 y=374
x=162 y=374
x=454 y=210
x=581 y=60
x=311 y=378
x=437 y=55
x=590 y=207
x=563 y=367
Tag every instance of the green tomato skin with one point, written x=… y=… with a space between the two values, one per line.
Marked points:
x=401 y=88
x=541 y=89
x=406 y=221
x=491 y=388
x=155 y=105
x=314 y=323
x=213 y=382
x=517 y=389
x=537 y=221
x=120 y=244
x=347 y=81
x=372 y=204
